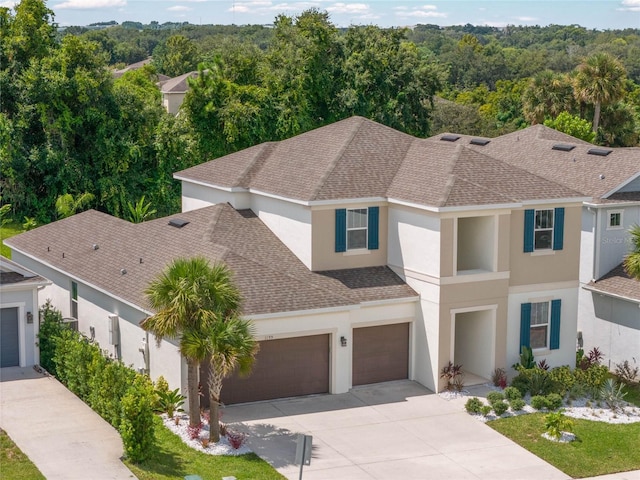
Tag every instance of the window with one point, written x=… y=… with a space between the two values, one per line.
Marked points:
x=356 y=228
x=615 y=219
x=74 y=300
x=540 y=325
x=543 y=229
x=539 y=329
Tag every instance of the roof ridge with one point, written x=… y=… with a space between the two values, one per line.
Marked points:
x=266 y=149
x=451 y=177
x=334 y=162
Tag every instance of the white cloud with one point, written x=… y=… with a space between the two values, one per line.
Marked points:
x=86 y=4
x=426 y=11
x=179 y=8
x=349 y=8
x=526 y=19
x=630 y=6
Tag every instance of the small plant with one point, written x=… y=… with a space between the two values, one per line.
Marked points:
x=206 y=416
x=557 y=422
x=499 y=407
x=554 y=401
x=539 y=402
x=485 y=410
x=161 y=385
x=453 y=374
x=594 y=357
x=626 y=373
x=521 y=383
x=205 y=443
x=473 y=405
x=169 y=402
x=543 y=365
x=194 y=432
x=499 y=377
x=177 y=420
x=517 y=404
x=512 y=393
x=236 y=439
x=539 y=383
x=527 y=360
x=493 y=397
x=223 y=429
x=612 y=394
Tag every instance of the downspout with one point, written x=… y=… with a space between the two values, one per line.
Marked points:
x=597 y=238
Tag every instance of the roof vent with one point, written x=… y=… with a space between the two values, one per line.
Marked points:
x=178 y=222
x=602 y=152
x=479 y=141
x=95 y=246
x=563 y=147
x=449 y=138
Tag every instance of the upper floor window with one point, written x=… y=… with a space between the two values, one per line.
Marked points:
x=74 y=300
x=615 y=219
x=357 y=229
x=543 y=229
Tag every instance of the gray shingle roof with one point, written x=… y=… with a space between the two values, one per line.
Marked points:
x=269 y=276
x=359 y=158
x=11 y=273
x=177 y=84
x=618 y=283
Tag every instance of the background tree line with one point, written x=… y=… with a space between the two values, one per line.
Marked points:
x=67 y=127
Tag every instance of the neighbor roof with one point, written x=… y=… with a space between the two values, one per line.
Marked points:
x=617 y=283
x=13 y=274
x=95 y=248
x=359 y=158
x=177 y=84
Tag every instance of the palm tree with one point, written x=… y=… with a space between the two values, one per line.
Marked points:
x=67 y=204
x=230 y=345
x=547 y=95
x=600 y=81
x=632 y=260
x=188 y=297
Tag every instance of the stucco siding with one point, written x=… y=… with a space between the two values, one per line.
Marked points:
x=196 y=196
x=615 y=243
x=26 y=302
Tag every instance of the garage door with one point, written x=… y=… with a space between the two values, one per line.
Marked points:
x=288 y=367
x=380 y=354
x=9 y=342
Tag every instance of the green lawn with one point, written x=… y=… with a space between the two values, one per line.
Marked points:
x=600 y=448
x=8 y=230
x=15 y=465
x=173 y=460
x=633 y=393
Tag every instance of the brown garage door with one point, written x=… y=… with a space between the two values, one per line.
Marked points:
x=380 y=354
x=288 y=367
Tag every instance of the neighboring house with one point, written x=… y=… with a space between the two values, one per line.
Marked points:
x=19 y=315
x=363 y=254
x=609 y=313
x=174 y=90
x=131 y=67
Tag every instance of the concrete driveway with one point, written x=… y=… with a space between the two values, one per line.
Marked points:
x=61 y=435
x=385 y=431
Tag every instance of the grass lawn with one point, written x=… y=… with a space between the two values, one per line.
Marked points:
x=15 y=465
x=633 y=393
x=599 y=448
x=173 y=460
x=8 y=230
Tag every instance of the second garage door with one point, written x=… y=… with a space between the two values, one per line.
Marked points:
x=380 y=354
x=287 y=367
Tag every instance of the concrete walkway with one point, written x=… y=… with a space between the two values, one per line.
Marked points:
x=385 y=431
x=61 y=435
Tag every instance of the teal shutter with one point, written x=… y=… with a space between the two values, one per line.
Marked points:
x=525 y=325
x=373 y=226
x=558 y=228
x=529 y=217
x=341 y=230
x=555 y=324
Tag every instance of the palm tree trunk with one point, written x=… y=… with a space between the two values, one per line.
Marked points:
x=215 y=387
x=194 y=397
x=596 y=117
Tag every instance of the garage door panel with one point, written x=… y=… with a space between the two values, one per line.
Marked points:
x=288 y=367
x=9 y=338
x=380 y=354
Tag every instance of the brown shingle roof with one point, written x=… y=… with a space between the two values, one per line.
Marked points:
x=617 y=283
x=269 y=276
x=178 y=84
x=359 y=158
x=11 y=273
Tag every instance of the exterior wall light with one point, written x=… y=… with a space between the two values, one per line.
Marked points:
x=343 y=341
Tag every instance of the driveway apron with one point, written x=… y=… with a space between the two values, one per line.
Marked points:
x=61 y=435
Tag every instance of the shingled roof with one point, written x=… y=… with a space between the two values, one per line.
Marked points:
x=97 y=249
x=617 y=283
x=358 y=158
x=178 y=84
x=13 y=274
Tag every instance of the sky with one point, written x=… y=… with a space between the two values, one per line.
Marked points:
x=592 y=14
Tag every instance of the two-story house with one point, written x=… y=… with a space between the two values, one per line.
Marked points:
x=363 y=254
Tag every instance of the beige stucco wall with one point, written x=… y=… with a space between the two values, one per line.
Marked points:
x=548 y=265
x=447 y=246
x=172 y=101
x=323 y=232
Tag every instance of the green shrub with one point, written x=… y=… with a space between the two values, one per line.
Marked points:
x=512 y=393
x=539 y=382
x=612 y=394
x=109 y=387
x=169 y=402
x=521 y=382
x=556 y=422
x=474 y=405
x=517 y=404
x=136 y=424
x=539 y=402
x=51 y=327
x=562 y=379
x=593 y=377
x=485 y=410
x=554 y=401
x=499 y=407
x=493 y=397
x=161 y=384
